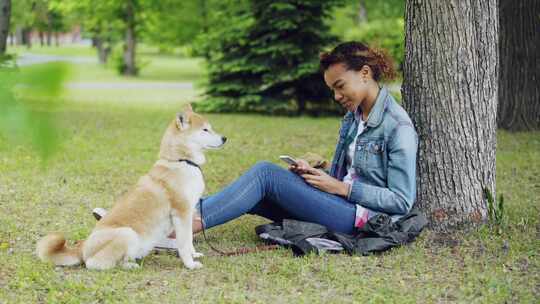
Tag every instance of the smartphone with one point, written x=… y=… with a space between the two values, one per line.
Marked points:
x=289 y=160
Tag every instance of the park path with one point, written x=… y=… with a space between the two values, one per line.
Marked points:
x=29 y=59
x=141 y=85
x=26 y=59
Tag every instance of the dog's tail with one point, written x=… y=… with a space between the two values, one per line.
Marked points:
x=52 y=248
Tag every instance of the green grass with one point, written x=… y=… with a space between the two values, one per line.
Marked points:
x=154 y=66
x=157 y=68
x=105 y=150
x=71 y=50
x=106 y=145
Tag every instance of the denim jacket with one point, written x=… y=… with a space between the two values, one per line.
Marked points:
x=384 y=158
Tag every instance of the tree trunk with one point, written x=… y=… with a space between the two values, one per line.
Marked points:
x=5 y=14
x=103 y=49
x=205 y=25
x=519 y=59
x=27 y=37
x=48 y=34
x=19 y=35
x=130 y=68
x=450 y=91
x=301 y=103
x=362 y=12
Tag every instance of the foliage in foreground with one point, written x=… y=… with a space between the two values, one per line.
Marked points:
x=22 y=94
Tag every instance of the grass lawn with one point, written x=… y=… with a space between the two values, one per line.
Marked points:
x=66 y=50
x=154 y=66
x=94 y=84
x=107 y=145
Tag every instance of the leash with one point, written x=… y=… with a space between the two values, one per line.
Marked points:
x=238 y=251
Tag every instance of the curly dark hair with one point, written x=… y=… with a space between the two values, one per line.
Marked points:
x=355 y=55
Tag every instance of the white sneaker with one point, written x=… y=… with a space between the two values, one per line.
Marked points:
x=166 y=244
x=99 y=213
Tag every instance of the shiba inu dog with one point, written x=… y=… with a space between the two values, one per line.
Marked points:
x=162 y=201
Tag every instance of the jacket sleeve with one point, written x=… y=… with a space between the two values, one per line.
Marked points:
x=399 y=195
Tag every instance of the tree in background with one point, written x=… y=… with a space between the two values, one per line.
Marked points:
x=130 y=9
x=174 y=23
x=40 y=11
x=450 y=91
x=109 y=22
x=55 y=25
x=22 y=19
x=519 y=82
x=35 y=15
x=5 y=16
x=264 y=57
x=99 y=19
x=47 y=21
x=376 y=23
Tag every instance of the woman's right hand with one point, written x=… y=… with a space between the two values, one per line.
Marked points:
x=301 y=166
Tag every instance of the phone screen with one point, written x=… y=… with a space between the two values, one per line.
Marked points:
x=289 y=160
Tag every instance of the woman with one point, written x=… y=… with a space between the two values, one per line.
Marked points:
x=373 y=169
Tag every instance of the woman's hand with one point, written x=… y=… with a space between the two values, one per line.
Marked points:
x=300 y=167
x=322 y=181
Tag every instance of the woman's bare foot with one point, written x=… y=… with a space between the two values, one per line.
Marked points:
x=197 y=226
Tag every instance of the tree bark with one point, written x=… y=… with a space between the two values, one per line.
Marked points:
x=103 y=49
x=49 y=29
x=450 y=91
x=130 y=68
x=19 y=35
x=205 y=25
x=5 y=15
x=41 y=38
x=519 y=82
x=27 y=37
x=362 y=12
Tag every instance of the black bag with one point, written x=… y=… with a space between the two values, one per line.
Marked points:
x=377 y=235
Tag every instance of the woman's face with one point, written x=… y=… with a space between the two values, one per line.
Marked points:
x=350 y=87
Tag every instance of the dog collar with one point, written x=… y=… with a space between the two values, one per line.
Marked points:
x=190 y=163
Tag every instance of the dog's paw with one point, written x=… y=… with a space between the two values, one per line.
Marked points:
x=193 y=265
x=197 y=255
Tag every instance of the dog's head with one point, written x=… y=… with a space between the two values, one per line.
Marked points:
x=188 y=134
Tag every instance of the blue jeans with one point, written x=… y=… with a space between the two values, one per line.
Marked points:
x=276 y=193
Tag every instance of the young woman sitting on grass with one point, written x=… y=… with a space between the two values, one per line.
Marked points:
x=373 y=168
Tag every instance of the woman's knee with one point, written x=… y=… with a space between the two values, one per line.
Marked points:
x=266 y=173
x=265 y=167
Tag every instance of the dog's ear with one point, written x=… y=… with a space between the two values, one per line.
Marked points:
x=182 y=121
x=187 y=108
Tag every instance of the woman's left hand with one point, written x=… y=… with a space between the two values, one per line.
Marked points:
x=322 y=181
